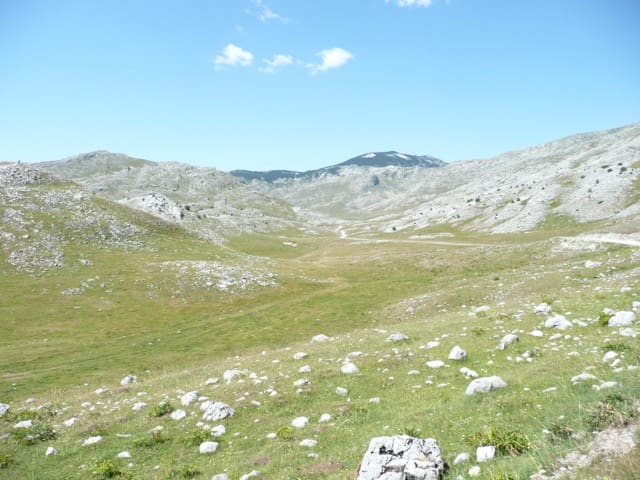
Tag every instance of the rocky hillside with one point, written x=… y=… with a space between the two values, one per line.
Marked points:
x=372 y=159
x=205 y=201
x=582 y=178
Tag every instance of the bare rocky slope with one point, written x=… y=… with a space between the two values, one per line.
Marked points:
x=583 y=178
x=591 y=177
x=205 y=201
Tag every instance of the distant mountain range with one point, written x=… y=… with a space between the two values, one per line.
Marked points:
x=372 y=159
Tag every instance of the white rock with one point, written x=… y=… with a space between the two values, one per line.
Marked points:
x=214 y=411
x=396 y=337
x=70 y=421
x=301 y=382
x=607 y=385
x=430 y=345
x=220 y=476
x=536 y=333
x=129 y=379
x=474 y=471
x=462 y=457
x=592 y=264
x=543 y=308
x=468 y=372
x=349 y=368
x=124 y=454
x=401 y=457
x=583 y=377
x=628 y=332
x=4 y=408
x=320 y=338
x=178 y=414
x=208 y=447
x=92 y=440
x=325 y=417
x=374 y=400
x=622 y=319
x=211 y=381
x=138 y=406
x=341 y=391
x=230 y=375
x=299 y=422
x=50 y=451
x=218 y=430
x=100 y=391
x=484 y=454
x=189 y=397
x=24 y=424
x=308 y=442
x=304 y=369
x=635 y=306
x=609 y=356
x=484 y=385
x=435 y=364
x=508 y=339
x=559 y=322
x=300 y=355
x=251 y=474
x=457 y=353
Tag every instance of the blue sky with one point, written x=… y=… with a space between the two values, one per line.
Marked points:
x=300 y=84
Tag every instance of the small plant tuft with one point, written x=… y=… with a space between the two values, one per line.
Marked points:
x=162 y=409
x=35 y=434
x=106 y=469
x=285 y=433
x=507 y=442
x=603 y=318
x=477 y=331
x=196 y=437
x=186 y=471
x=412 y=432
x=615 y=410
x=6 y=461
x=153 y=439
x=619 y=347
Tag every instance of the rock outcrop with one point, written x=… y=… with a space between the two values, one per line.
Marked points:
x=402 y=457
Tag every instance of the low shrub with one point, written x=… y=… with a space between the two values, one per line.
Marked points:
x=507 y=442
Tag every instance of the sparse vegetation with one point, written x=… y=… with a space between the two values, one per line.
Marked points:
x=506 y=441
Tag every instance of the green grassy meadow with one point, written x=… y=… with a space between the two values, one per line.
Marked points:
x=173 y=334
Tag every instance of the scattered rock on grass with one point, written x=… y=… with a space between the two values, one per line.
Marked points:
x=622 y=319
x=214 y=411
x=457 y=353
x=4 y=408
x=559 y=322
x=208 y=447
x=486 y=453
x=397 y=337
x=484 y=385
x=299 y=422
x=129 y=379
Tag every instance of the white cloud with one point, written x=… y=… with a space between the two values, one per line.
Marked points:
x=234 y=56
x=413 y=3
x=278 y=61
x=331 y=58
x=265 y=14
